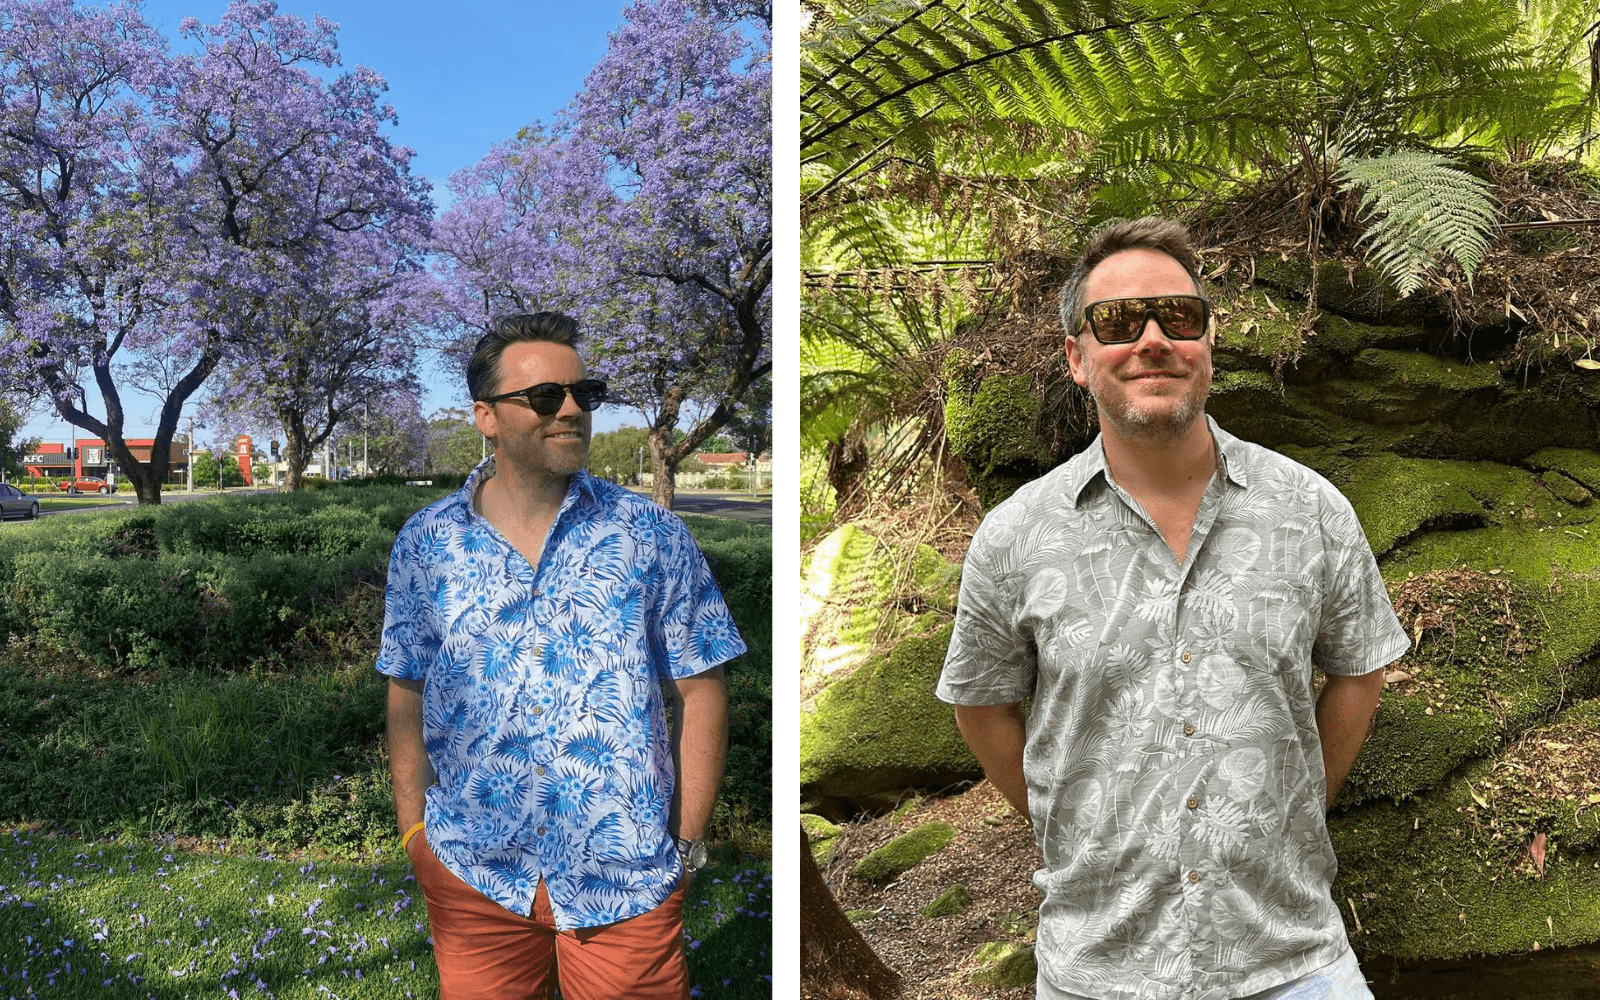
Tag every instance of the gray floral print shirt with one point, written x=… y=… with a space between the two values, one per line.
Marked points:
x=1174 y=773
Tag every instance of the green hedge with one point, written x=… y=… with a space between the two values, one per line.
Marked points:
x=209 y=584
x=198 y=605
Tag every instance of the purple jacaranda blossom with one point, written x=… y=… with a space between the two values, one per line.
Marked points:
x=646 y=211
x=165 y=202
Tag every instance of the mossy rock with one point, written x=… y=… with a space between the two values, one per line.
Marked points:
x=904 y=852
x=823 y=836
x=1575 y=463
x=860 y=916
x=879 y=731
x=948 y=903
x=1451 y=873
x=1004 y=963
x=991 y=423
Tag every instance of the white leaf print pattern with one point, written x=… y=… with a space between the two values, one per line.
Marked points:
x=1132 y=731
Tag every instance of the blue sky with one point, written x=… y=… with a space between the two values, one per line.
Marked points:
x=462 y=75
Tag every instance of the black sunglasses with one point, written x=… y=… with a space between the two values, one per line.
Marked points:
x=547 y=398
x=1121 y=321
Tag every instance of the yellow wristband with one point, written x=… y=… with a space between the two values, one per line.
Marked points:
x=404 y=840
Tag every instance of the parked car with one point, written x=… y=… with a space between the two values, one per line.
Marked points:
x=14 y=501
x=86 y=484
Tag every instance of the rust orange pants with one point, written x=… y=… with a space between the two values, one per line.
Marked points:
x=486 y=952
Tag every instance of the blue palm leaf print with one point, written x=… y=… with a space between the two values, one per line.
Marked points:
x=496 y=790
x=518 y=748
x=603 y=697
x=516 y=876
x=569 y=794
x=592 y=749
x=605 y=883
x=499 y=656
x=605 y=839
x=515 y=614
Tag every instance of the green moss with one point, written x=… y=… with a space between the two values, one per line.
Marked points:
x=1422 y=370
x=881 y=730
x=860 y=916
x=823 y=836
x=1583 y=466
x=904 y=852
x=1443 y=875
x=1005 y=963
x=1396 y=497
x=1347 y=336
x=1566 y=488
x=990 y=423
x=952 y=901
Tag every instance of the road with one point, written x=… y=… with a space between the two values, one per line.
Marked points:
x=738 y=506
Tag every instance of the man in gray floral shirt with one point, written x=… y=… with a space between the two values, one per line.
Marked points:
x=1161 y=598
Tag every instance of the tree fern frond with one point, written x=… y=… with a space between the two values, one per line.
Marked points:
x=1426 y=206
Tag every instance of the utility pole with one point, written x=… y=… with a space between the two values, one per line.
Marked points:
x=188 y=465
x=366 y=469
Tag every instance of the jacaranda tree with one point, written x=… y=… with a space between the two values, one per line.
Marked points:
x=334 y=349
x=646 y=211
x=155 y=203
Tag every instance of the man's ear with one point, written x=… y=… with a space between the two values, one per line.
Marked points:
x=483 y=415
x=1075 y=360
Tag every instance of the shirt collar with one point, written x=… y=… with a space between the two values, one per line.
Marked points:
x=583 y=489
x=1090 y=463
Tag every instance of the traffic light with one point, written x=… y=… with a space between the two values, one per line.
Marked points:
x=274 y=449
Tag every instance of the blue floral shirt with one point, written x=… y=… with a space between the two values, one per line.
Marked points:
x=542 y=703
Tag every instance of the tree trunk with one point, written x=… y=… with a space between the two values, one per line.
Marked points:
x=835 y=961
x=847 y=468
x=664 y=460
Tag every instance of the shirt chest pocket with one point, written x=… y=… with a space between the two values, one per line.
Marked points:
x=1277 y=620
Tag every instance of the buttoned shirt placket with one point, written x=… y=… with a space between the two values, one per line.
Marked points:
x=1180 y=658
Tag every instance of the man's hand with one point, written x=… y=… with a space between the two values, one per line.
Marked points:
x=699 y=750
x=996 y=734
x=1344 y=711
x=409 y=767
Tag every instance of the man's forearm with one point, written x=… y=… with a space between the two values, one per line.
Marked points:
x=409 y=767
x=996 y=734
x=699 y=751
x=1344 y=711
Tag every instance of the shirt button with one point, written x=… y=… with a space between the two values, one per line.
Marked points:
x=1193 y=876
x=1193 y=802
x=1186 y=657
x=540 y=772
x=1188 y=728
x=538 y=710
x=538 y=651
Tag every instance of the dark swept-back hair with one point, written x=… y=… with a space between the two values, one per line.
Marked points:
x=1149 y=233
x=483 y=369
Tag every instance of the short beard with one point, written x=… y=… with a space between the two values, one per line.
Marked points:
x=1162 y=427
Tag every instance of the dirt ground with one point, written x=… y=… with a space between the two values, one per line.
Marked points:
x=933 y=956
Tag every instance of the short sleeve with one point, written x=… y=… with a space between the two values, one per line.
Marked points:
x=696 y=631
x=989 y=661
x=410 y=641
x=1358 y=632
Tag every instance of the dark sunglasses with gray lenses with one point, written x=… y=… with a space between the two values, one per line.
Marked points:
x=546 y=398
x=1121 y=321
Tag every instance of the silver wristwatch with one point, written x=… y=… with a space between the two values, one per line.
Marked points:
x=694 y=854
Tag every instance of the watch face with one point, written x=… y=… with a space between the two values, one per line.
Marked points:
x=697 y=856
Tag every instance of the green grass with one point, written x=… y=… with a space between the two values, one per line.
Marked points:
x=74 y=503
x=128 y=920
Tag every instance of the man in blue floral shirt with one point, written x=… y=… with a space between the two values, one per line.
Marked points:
x=533 y=619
